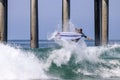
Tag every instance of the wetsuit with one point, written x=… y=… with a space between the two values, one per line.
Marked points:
x=83 y=35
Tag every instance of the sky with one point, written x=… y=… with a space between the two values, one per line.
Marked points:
x=50 y=17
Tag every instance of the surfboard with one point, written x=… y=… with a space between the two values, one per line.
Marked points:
x=68 y=35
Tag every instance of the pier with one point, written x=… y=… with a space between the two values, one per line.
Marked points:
x=101 y=20
x=34 y=42
x=101 y=10
x=65 y=15
x=3 y=20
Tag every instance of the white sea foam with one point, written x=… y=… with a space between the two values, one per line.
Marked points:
x=92 y=54
x=63 y=55
x=108 y=73
x=18 y=64
x=60 y=56
x=106 y=68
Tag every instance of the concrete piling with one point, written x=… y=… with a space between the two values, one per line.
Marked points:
x=65 y=15
x=101 y=22
x=34 y=24
x=3 y=20
x=105 y=12
x=97 y=16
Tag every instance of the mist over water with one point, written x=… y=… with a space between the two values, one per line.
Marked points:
x=74 y=61
x=18 y=64
x=68 y=61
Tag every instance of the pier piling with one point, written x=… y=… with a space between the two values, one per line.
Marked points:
x=65 y=15
x=3 y=20
x=97 y=16
x=105 y=9
x=101 y=22
x=34 y=24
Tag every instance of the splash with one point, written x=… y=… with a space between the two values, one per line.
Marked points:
x=18 y=64
x=92 y=62
x=52 y=36
x=102 y=61
x=63 y=55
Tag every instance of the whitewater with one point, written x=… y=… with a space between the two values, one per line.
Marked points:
x=61 y=62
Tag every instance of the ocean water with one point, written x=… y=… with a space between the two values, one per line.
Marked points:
x=59 y=61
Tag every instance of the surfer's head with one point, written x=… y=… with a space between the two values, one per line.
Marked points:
x=80 y=30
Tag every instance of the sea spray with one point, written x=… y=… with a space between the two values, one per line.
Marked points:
x=60 y=56
x=102 y=63
x=18 y=64
x=74 y=61
x=86 y=61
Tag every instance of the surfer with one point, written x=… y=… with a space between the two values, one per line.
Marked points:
x=82 y=34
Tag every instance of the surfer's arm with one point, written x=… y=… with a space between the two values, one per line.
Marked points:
x=83 y=35
x=88 y=38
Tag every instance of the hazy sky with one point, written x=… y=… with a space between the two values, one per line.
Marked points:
x=50 y=16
